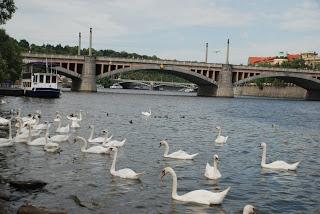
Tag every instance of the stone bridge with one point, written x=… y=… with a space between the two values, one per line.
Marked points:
x=212 y=79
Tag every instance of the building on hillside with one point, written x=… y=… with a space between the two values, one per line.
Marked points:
x=272 y=60
x=311 y=58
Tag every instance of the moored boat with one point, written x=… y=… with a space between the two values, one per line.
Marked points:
x=39 y=81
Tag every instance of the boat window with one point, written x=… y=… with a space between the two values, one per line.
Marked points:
x=41 y=78
x=54 y=79
x=47 y=79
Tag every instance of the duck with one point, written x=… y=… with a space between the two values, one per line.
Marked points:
x=276 y=165
x=176 y=155
x=212 y=172
x=93 y=149
x=97 y=139
x=50 y=146
x=220 y=138
x=62 y=129
x=122 y=173
x=196 y=196
x=146 y=113
x=4 y=142
x=249 y=209
x=114 y=143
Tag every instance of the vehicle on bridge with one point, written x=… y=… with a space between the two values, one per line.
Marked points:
x=39 y=81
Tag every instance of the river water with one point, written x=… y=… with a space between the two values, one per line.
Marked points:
x=290 y=128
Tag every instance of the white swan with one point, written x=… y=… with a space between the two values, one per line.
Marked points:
x=278 y=165
x=75 y=120
x=50 y=146
x=7 y=141
x=220 y=138
x=58 y=117
x=3 y=121
x=23 y=130
x=146 y=113
x=97 y=139
x=196 y=196
x=40 y=141
x=42 y=126
x=63 y=129
x=114 y=143
x=60 y=138
x=122 y=173
x=249 y=209
x=212 y=172
x=176 y=155
x=93 y=149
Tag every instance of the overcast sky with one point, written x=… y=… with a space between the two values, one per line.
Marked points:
x=174 y=29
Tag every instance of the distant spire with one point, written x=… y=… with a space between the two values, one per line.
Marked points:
x=227 y=60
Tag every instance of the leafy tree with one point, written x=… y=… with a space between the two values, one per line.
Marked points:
x=105 y=82
x=7 y=9
x=24 y=44
x=10 y=59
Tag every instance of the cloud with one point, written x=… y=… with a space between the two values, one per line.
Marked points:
x=303 y=16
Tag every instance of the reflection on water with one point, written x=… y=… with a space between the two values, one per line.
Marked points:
x=188 y=123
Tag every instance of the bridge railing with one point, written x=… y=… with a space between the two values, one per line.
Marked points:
x=124 y=60
x=274 y=69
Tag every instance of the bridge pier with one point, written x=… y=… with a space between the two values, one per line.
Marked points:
x=313 y=95
x=225 y=86
x=88 y=76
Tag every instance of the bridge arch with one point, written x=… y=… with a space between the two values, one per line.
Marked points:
x=193 y=77
x=67 y=73
x=306 y=82
x=312 y=85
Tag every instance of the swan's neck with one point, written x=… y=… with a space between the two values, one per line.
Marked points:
x=20 y=124
x=113 y=166
x=166 y=150
x=84 y=144
x=29 y=135
x=219 y=132
x=10 y=130
x=59 y=124
x=174 y=183
x=264 y=155
x=215 y=164
x=47 y=129
x=37 y=120
x=46 y=139
x=91 y=134
x=80 y=116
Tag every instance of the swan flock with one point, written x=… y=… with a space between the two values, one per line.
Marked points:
x=29 y=130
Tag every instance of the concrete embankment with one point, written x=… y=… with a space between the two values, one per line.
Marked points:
x=271 y=91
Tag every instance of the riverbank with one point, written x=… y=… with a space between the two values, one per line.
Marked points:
x=271 y=91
